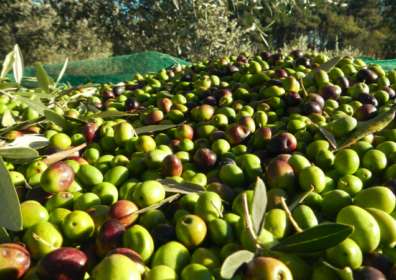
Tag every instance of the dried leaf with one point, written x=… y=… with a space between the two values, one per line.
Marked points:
x=259 y=206
x=233 y=263
x=10 y=209
x=172 y=185
x=62 y=155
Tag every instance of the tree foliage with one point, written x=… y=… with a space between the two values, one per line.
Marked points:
x=50 y=30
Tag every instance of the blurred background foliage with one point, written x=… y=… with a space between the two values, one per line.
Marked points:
x=48 y=31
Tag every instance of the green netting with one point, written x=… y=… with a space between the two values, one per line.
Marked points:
x=106 y=70
x=385 y=64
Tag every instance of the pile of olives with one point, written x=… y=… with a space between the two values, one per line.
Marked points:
x=219 y=125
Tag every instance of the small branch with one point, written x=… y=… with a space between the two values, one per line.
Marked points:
x=249 y=226
x=41 y=240
x=217 y=209
x=61 y=155
x=289 y=215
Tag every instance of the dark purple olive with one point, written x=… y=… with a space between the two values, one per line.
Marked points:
x=216 y=136
x=205 y=159
x=90 y=132
x=343 y=83
x=378 y=261
x=367 y=76
x=186 y=78
x=280 y=73
x=275 y=57
x=97 y=105
x=293 y=110
x=191 y=105
x=366 y=98
x=108 y=94
x=226 y=161
x=109 y=237
x=274 y=82
x=162 y=234
x=303 y=61
x=292 y=98
x=365 y=112
x=131 y=103
x=88 y=248
x=131 y=87
x=225 y=192
x=311 y=108
x=329 y=92
x=282 y=143
x=237 y=134
x=313 y=97
x=165 y=88
x=230 y=69
x=265 y=55
x=210 y=100
x=118 y=90
x=39 y=195
x=368 y=273
x=296 y=54
x=171 y=166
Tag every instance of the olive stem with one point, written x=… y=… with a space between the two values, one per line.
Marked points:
x=249 y=226
x=61 y=155
x=41 y=240
x=289 y=215
x=217 y=209
x=304 y=91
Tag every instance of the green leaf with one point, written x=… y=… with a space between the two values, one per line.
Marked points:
x=266 y=29
x=344 y=273
x=4 y=237
x=249 y=19
x=327 y=134
x=317 y=238
x=35 y=104
x=42 y=78
x=109 y=114
x=92 y=109
x=51 y=83
x=69 y=90
x=172 y=185
x=231 y=6
x=75 y=120
x=10 y=209
x=298 y=202
x=62 y=71
x=18 y=64
x=157 y=205
x=325 y=66
x=57 y=119
x=39 y=95
x=8 y=119
x=18 y=153
x=334 y=7
x=4 y=86
x=233 y=263
x=21 y=125
x=259 y=206
x=22 y=160
x=7 y=64
x=153 y=128
x=369 y=127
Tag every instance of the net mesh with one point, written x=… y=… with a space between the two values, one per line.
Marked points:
x=106 y=70
x=122 y=68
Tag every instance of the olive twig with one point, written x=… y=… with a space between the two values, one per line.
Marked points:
x=41 y=240
x=249 y=226
x=217 y=209
x=289 y=215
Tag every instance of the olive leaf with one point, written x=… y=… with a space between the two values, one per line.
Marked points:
x=21 y=125
x=40 y=95
x=4 y=237
x=298 y=201
x=7 y=64
x=69 y=90
x=153 y=128
x=51 y=83
x=317 y=238
x=325 y=66
x=259 y=206
x=5 y=86
x=176 y=5
x=327 y=134
x=344 y=273
x=369 y=127
x=10 y=209
x=109 y=114
x=92 y=109
x=23 y=160
x=57 y=119
x=18 y=153
x=156 y=205
x=62 y=71
x=233 y=263
x=8 y=119
x=61 y=155
x=35 y=104
x=171 y=185
x=75 y=120
x=42 y=78
x=18 y=64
